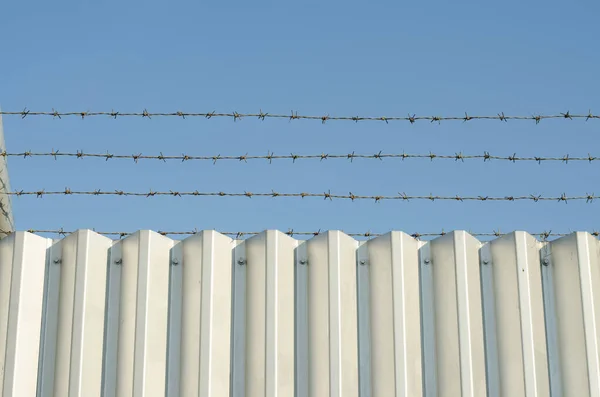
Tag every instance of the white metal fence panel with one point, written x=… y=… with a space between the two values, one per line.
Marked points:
x=274 y=316
x=23 y=311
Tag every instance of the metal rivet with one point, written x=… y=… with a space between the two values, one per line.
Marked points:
x=485 y=261
x=426 y=261
x=363 y=262
x=175 y=261
x=118 y=261
x=241 y=261
x=56 y=261
x=303 y=261
x=545 y=262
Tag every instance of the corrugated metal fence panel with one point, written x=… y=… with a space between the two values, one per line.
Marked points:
x=274 y=316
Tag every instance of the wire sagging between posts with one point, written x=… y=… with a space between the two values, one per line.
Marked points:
x=235 y=116
x=459 y=156
x=325 y=195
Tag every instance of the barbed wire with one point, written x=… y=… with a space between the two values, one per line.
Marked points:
x=270 y=156
x=295 y=116
x=290 y=232
x=325 y=195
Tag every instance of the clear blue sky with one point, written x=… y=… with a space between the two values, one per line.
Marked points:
x=337 y=58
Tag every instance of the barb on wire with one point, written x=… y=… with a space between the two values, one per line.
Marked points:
x=459 y=156
x=545 y=235
x=325 y=195
x=235 y=116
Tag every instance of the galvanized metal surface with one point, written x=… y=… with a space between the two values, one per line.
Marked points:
x=273 y=316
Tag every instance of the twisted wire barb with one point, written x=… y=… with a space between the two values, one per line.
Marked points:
x=235 y=116
x=290 y=232
x=459 y=156
x=325 y=195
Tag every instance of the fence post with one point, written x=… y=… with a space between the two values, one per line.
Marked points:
x=6 y=215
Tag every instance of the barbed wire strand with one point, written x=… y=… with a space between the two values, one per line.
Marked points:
x=325 y=195
x=293 y=115
x=290 y=232
x=459 y=156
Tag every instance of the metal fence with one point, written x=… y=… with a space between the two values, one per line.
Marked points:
x=273 y=316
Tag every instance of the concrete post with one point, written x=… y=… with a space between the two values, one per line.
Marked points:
x=6 y=215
